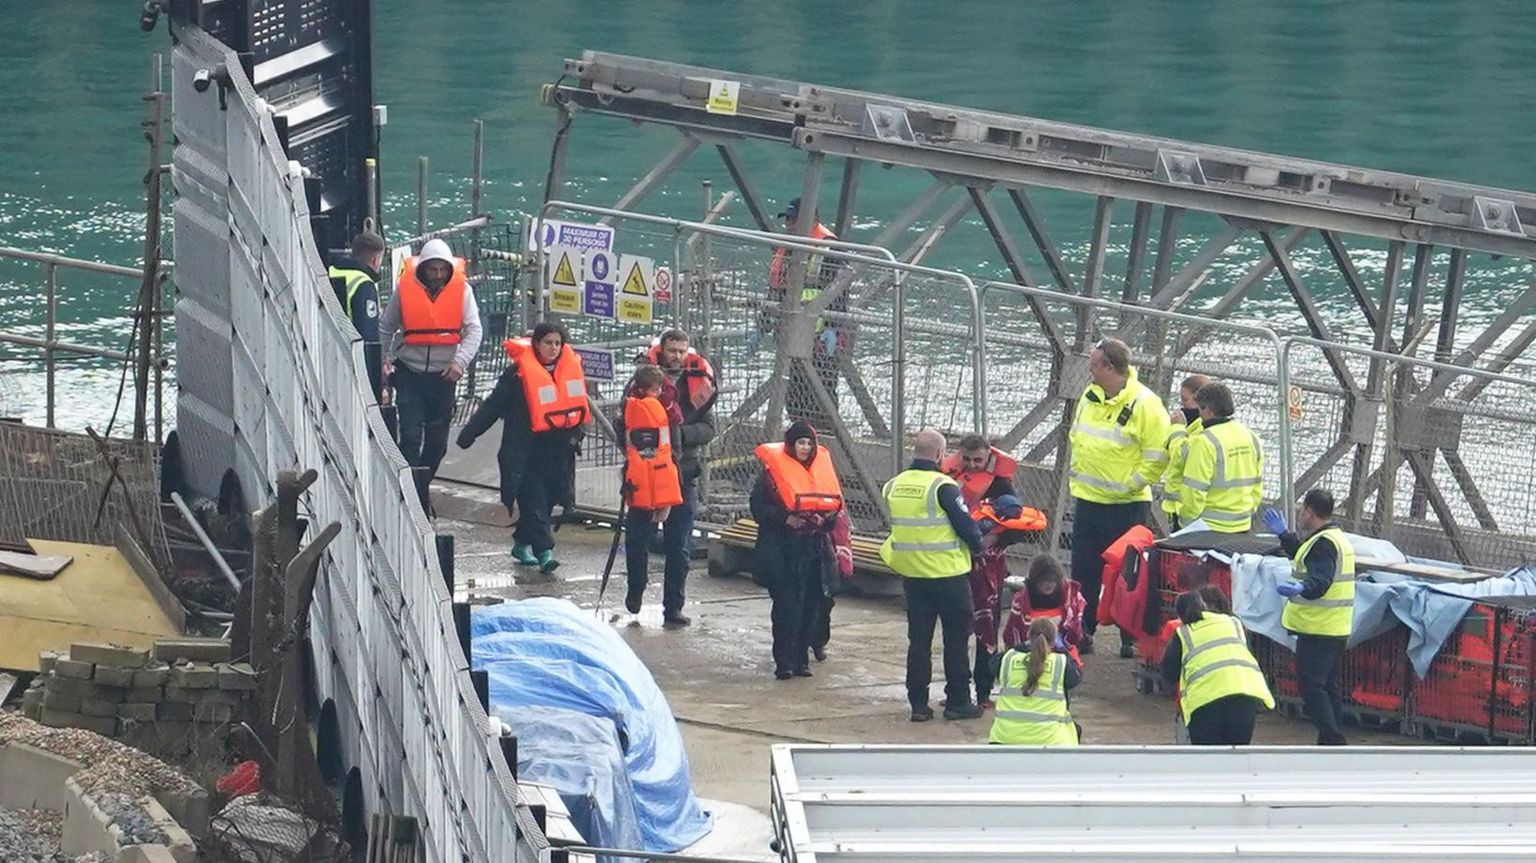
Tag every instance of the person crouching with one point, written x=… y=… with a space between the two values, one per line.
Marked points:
x=1032 y=686
x=796 y=502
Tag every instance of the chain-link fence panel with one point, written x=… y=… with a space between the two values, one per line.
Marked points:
x=1423 y=454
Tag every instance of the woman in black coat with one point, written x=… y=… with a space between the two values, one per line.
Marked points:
x=538 y=469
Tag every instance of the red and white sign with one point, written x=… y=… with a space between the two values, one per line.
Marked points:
x=661 y=290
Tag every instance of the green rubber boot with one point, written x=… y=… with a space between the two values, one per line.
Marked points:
x=547 y=562
x=523 y=553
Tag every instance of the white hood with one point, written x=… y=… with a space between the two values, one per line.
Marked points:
x=434 y=250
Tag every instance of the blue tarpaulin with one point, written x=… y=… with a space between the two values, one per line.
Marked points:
x=546 y=652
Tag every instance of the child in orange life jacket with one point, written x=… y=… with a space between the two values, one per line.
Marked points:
x=1003 y=521
x=652 y=484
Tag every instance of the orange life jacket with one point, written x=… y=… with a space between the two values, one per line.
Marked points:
x=651 y=479
x=1029 y=519
x=801 y=488
x=697 y=380
x=973 y=486
x=555 y=401
x=781 y=256
x=428 y=320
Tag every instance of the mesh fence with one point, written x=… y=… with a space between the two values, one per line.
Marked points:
x=1443 y=442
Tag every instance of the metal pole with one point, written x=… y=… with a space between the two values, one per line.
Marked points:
x=421 y=195
x=52 y=276
x=202 y=536
x=476 y=176
x=371 y=168
x=143 y=336
x=159 y=366
x=898 y=372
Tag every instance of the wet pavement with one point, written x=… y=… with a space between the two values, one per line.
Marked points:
x=718 y=672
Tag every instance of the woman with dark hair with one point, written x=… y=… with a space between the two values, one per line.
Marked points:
x=1046 y=592
x=541 y=402
x=1220 y=685
x=1032 y=683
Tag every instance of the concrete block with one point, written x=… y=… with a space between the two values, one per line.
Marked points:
x=173 y=650
x=73 y=669
x=103 y=725
x=32 y=778
x=189 y=676
x=174 y=711
x=144 y=694
x=71 y=687
x=60 y=701
x=97 y=707
x=86 y=827
x=181 y=693
x=177 y=839
x=212 y=711
x=138 y=712
x=45 y=661
x=238 y=676
x=147 y=854
x=191 y=809
x=106 y=675
x=110 y=655
x=32 y=703
x=156 y=673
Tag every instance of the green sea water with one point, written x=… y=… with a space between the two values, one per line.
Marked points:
x=1436 y=88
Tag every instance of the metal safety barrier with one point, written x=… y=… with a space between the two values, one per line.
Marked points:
x=273 y=379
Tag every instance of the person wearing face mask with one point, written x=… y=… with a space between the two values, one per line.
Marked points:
x=541 y=402
x=797 y=501
x=1184 y=423
x=430 y=333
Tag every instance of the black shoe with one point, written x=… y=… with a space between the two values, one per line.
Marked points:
x=1085 y=646
x=675 y=618
x=963 y=711
x=820 y=653
x=633 y=598
x=804 y=671
x=922 y=714
x=1331 y=740
x=782 y=674
x=1127 y=651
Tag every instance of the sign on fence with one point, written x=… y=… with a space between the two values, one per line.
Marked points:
x=635 y=300
x=661 y=290
x=1293 y=402
x=566 y=272
x=597 y=294
x=552 y=232
x=596 y=363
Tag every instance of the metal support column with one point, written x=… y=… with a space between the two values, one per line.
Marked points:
x=749 y=194
x=657 y=175
x=846 y=196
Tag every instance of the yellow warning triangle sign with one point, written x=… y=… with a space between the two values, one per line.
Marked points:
x=564 y=275
x=725 y=90
x=635 y=283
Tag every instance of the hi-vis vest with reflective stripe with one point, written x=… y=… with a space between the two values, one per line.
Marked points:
x=1178 y=454
x=922 y=543
x=800 y=488
x=1333 y=613
x=556 y=401
x=1225 y=467
x=1039 y=718
x=1217 y=663
x=429 y=320
x=1117 y=444
x=650 y=476
x=352 y=280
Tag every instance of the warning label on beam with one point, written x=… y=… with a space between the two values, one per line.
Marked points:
x=723 y=96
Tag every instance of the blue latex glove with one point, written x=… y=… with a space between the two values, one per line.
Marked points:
x=1274 y=521
x=829 y=341
x=1061 y=642
x=1288 y=588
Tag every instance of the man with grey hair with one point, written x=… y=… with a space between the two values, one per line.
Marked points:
x=930 y=546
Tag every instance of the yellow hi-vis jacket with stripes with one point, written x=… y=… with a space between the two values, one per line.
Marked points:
x=1217 y=663
x=1333 y=613
x=352 y=279
x=1039 y=718
x=1118 y=444
x=1223 y=477
x=1178 y=453
x=922 y=544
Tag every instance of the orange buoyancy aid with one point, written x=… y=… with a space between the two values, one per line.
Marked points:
x=429 y=320
x=801 y=488
x=697 y=381
x=651 y=480
x=974 y=485
x=556 y=401
x=1028 y=519
x=781 y=255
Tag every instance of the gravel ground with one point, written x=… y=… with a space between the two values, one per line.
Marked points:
x=109 y=765
x=32 y=836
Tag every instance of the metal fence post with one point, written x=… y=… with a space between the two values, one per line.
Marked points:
x=51 y=274
x=421 y=196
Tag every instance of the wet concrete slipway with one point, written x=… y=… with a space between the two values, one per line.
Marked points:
x=718 y=673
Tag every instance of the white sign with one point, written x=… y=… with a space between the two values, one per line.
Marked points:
x=637 y=275
x=566 y=273
x=397 y=258
x=661 y=291
x=723 y=97
x=552 y=232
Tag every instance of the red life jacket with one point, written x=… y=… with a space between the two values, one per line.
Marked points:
x=429 y=320
x=697 y=381
x=973 y=486
x=556 y=401
x=1029 y=519
x=781 y=256
x=802 y=489
x=651 y=479
x=1118 y=606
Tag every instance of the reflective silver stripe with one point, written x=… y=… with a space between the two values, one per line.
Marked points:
x=927 y=546
x=1215 y=642
x=1337 y=579
x=1216 y=666
x=1220 y=473
x=665 y=435
x=1155 y=454
x=1113 y=434
x=933 y=498
x=919 y=521
x=1191 y=482
x=1171 y=495
x=1237 y=483
x=1178 y=433
x=1227 y=513
x=1106 y=484
x=1324 y=603
x=547 y=394
x=1031 y=716
x=574 y=388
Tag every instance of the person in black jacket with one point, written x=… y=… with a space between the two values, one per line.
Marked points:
x=796 y=558
x=538 y=469
x=355 y=279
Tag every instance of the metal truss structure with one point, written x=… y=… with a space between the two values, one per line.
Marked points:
x=999 y=160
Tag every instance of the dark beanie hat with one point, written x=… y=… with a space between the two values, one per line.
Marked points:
x=797 y=430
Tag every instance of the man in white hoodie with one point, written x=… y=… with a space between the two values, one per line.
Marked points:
x=430 y=332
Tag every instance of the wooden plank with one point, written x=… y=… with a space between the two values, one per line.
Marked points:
x=40 y=566
x=1426 y=571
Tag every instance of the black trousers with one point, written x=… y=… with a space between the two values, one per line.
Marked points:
x=800 y=606
x=535 y=503
x=1224 y=722
x=1317 y=669
x=822 y=633
x=425 y=404
x=1094 y=527
x=946 y=601
x=985 y=673
x=677 y=539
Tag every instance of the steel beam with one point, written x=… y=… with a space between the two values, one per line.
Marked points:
x=861 y=394
x=1422 y=476
x=924 y=244
x=846 y=196
x=1167 y=248
x=1047 y=246
x=1234 y=295
x=1450 y=306
x=845 y=437
x=1352 y=280
x=1499 y=363
x=1506 y=319
x=790 y=306
x=1015 y=261
x=744 y=184
x=657 y=175
x=1135 y=256
x=1324 y=463
x=1309 y=309
x=1028 y=423
x=1469 y=489
x=1093 y=268
x=1190 y=277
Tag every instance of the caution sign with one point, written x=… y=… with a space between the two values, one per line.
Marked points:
x=661 y=287
x=1293 y=402
x=639 y=274
x=597 y=284
x=566 y=273
x=723 y=96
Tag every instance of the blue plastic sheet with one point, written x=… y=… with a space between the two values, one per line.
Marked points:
x=546 y=652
